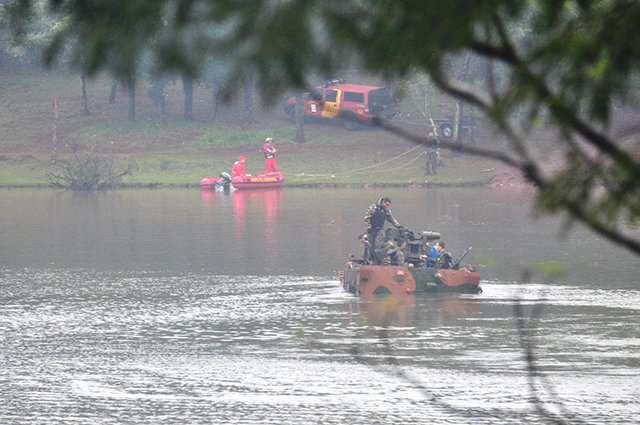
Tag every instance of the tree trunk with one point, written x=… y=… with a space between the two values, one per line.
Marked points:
x=187 y=87
x=83 y=84
x=156 y=94
x=472 y=125
x=457 y=128
x=54 y=141
x=132 y=99
x=215 y=91
x=299 y=119
x=112 y=95
x=248 y=97
x=163 y=108
x=457 y=125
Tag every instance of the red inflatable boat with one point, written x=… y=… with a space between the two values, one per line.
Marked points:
x=260 y=181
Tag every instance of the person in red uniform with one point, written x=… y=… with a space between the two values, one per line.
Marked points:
x=269 y=156
x=238 y=168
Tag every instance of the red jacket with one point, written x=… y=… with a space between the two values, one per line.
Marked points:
x=238 y=170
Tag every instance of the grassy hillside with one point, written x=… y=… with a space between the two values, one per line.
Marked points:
x=181 y=153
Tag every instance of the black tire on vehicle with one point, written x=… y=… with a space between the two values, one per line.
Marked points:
x=447 y=130
x=350 y=121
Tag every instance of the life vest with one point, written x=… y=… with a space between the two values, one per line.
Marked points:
x=448 y=258
x=378 y=218
x=267 y=155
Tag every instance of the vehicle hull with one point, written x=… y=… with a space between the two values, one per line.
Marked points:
x=209 y=182
x=373 y=280
x=260 y=181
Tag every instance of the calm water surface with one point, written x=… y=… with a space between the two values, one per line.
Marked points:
x=174 y=306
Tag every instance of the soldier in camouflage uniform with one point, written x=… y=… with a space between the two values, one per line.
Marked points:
x=396 y=252
x=443 y=260
x=366 y=257
x=376 y=215
x=433 y=144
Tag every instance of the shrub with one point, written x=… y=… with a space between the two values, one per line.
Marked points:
x=89 y=171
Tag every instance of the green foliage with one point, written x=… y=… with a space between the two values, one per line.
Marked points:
x=217 y=137
x=89 y=171
x=35 y=29
x=143 y=132
x=148 y=128
x=608 y=193
x=166 y=163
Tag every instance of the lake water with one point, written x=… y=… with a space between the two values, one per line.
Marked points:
x=176 y=306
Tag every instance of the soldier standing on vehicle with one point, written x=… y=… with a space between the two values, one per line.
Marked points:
x=433 y=144
x=376 y=215
x=366 y=257
x=269 y=156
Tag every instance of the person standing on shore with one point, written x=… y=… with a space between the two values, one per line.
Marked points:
x=433 y=145
x=269 y=156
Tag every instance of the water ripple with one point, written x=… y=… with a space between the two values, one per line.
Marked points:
x=149 y=347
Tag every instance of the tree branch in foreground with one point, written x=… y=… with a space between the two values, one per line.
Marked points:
x=531 y=170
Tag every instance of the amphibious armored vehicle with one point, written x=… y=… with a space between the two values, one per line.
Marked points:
x=416 y=276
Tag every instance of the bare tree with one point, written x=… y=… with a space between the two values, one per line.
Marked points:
x=215 y=100
x=131 y=87
x=248 y=97
x=112 y=93
x=187 y=87
x=54 y=142
x=157 y=96
x=300 y=138
x=83 y=86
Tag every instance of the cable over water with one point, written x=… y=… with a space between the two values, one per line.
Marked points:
x=367 y=169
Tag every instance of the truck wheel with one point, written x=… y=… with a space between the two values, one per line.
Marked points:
x=447 y=130
x=350 y=121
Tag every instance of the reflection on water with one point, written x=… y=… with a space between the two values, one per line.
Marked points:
x=180 y=306
x=255 y=220
x=261 y=202
x=410 y=310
